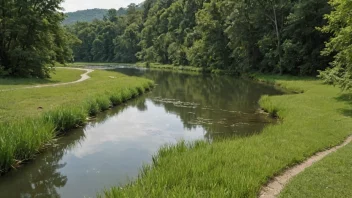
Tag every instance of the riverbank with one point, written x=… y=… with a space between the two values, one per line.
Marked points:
x=312 y=121
x=32 y=118
x=153 y=66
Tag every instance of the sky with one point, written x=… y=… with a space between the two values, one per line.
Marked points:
x=74 y=5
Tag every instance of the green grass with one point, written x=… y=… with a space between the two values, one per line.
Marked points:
x=29 y=119
x=310 y=122
x=59 y=76
x=331 y=177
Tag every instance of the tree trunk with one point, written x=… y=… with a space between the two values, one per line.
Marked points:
x=278 y=39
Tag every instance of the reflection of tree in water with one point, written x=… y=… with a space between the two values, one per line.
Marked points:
x=41 y=177
x=226 y=106
x=139 y=103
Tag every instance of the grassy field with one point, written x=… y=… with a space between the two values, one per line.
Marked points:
x=314 y=120
x=59 y=76
x=30 y=118
x=331 y=177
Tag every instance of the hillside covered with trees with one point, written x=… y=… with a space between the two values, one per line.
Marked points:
x=88 y=15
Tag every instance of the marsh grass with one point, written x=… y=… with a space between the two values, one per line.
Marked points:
x=66 y=118
x=310 y=122
x=103 y=102
x=23 y=134
x=21 y=140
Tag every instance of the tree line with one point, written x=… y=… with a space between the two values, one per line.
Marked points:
x=297 y=37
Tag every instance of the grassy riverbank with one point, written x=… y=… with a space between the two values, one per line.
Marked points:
x=331 y=177
x=143 y=65
x=171 y=67
x=30 y=118
x=59 y=76
x=311 y=121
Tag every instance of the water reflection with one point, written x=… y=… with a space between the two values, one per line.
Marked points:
x=110 y=150
x=41 y=177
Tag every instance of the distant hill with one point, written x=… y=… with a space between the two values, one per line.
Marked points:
x=88 y=15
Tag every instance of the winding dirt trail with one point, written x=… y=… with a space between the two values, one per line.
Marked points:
x=277 y=184
x=84 y=77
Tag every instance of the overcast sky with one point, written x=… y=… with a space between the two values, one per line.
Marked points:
x=74 y=5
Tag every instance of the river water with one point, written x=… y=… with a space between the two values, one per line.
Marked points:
x=111 y=150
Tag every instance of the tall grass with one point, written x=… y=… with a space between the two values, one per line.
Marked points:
x=22 y=140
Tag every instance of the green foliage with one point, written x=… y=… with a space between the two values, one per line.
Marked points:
x=340 y=45
x=239 y=36
x=31 y=38
x=114 y=39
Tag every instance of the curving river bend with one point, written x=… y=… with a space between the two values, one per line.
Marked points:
x=111 y=150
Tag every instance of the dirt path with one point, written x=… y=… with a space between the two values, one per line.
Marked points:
x=277 y=184
x=84 y=77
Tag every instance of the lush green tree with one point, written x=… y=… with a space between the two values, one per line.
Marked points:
x=340 y=45
x=302 y=40
x=211 y=49
x=32 y=38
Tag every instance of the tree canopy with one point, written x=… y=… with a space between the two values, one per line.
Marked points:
x=340 y=44
x=32 y=38
x=237 y=35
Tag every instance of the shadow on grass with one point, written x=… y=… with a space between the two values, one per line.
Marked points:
x=26 y=81
x=346 y=98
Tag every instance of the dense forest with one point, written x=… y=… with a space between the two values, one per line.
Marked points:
x=297 y=37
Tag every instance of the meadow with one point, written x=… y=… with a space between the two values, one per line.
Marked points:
x=317 y=118
x=58 y=76
x=31 y=118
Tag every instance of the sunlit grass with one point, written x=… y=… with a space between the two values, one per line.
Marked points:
x=331 y=177
x=309 y=122
x=58 y=76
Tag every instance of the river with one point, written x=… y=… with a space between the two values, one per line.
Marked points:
x=111 y=149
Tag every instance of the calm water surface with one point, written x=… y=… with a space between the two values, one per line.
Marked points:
x=111 y=150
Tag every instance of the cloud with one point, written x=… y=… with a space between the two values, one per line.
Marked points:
x=74 y=5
